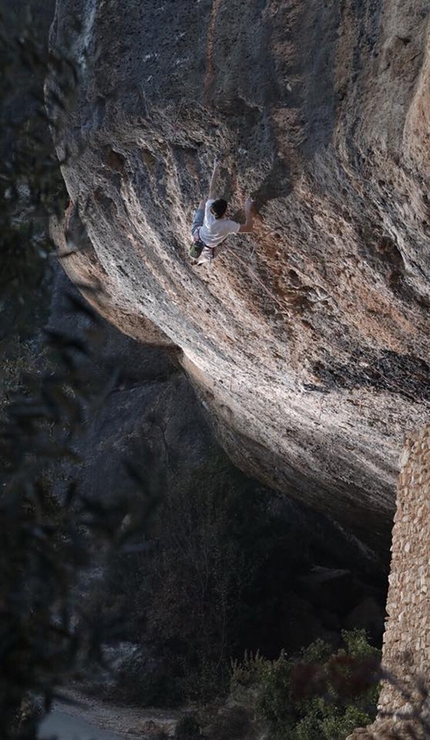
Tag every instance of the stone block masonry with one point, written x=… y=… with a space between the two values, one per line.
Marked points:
x=406 y=648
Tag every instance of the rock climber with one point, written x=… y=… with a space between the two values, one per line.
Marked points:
x=211 y=226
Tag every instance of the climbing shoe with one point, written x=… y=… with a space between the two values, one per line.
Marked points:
x=206 y=256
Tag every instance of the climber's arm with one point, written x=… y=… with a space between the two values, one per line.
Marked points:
x=212 y=186
x=248 y=226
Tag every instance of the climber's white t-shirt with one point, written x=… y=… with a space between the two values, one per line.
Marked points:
x=215 y=230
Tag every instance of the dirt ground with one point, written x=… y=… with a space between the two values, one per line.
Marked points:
x=90 y=719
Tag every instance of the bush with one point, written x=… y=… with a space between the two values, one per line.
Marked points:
x=315 y=695
x=231 y=723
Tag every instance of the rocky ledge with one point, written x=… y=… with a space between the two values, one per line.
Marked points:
x=308 y=340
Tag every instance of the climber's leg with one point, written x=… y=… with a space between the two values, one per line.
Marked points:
x=206 y=257
x=198 y=217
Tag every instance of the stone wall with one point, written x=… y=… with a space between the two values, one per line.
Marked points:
x=406 y=650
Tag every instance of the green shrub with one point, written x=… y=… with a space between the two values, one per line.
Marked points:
x=231 y=723
x=316 y=695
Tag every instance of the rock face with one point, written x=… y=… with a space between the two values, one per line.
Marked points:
x=149 y=411
x=308 y=340
x=144 y=414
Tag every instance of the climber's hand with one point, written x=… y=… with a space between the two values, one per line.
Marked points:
x=248 y=226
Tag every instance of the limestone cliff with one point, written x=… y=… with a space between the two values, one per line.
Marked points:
x=309 y=339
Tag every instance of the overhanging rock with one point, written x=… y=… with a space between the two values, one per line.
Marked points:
x=308 y=341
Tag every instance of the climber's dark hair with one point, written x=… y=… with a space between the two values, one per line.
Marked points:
x=219 y=207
